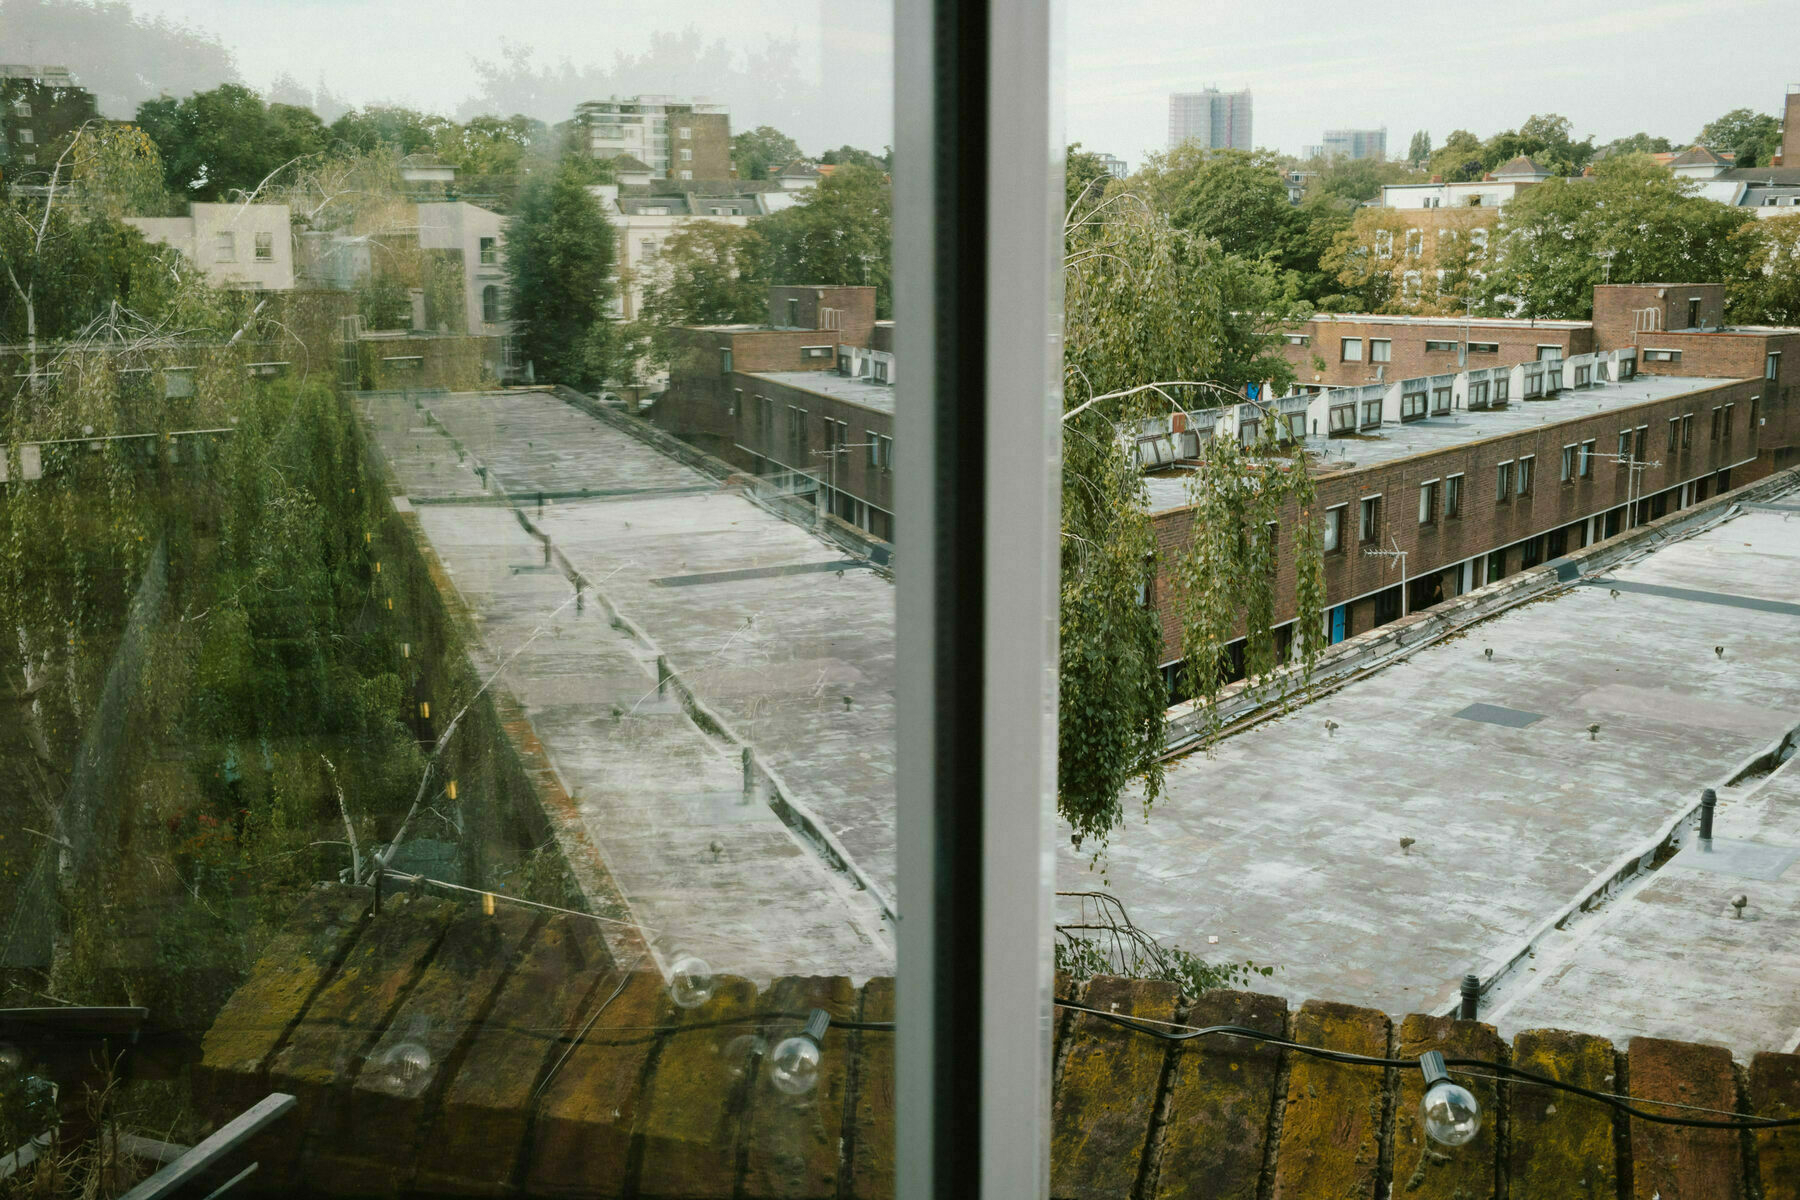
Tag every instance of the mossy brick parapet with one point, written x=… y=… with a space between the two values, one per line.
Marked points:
x=1221 y=1100
x=871 y=1142
x=255 y=1020
x=1560 y=1144
x=695 y=1101
x=1111 y=1080
x=1422 y=1168
x=1671 y=1162
x=793 y=1145
x=1775 y=1092
x=1331 y=1130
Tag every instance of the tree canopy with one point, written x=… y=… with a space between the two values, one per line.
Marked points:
x=756 y=152
x=1418 y=151
x=1766 y=288
x=560 y=251
x=1631 y=222
x=226 y=141
x=841 y=232
x=1750 y=135
x=707 y=273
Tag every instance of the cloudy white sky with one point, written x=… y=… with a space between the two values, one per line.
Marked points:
x=1612 y=66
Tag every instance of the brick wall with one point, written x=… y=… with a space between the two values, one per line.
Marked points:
x=1408 y=356
x=1484 y=525
x=762 y=443
x=534 y=1087
x=854 y=308
x=1616 y=306
x=711 y=144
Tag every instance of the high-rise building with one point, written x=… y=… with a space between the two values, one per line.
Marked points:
x=39 y=107
x=1118 y=168
x=1355 y=143
x=676 y=139
x=1216 y=120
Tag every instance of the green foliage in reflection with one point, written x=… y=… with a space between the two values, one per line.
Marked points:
x=1084 y=958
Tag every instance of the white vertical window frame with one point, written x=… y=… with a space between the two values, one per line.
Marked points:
x=978 y=104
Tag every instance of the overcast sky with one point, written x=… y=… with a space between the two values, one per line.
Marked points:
x=1612 y=66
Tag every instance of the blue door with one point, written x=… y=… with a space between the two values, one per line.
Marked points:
x=1337 y=623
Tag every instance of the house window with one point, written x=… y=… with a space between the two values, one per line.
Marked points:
x=1415 y=243
x=21 y=108
x=1352 y=350
x=1409 y=285
x=1693 y=312
x=1668 y=356
x=265 y=247
x=1298 y=339
x=685 y=133
x=1249 y=431
x=1384 y=243
x=1687 y=430
x=724 y=360
x=1547 y=352
x=1556 y=379
x=1502 y=389
x=1439 y=347
x=1296 y=426
x=878 y=370
x=26 y=137
x=489 y=251
x=647 y=249
x=1343 y=418
x=1718 y=422
x=1569 y=454
x=687 y=175
x=1772 y=365
x=490 y=305
x=798 y=439
x=1428 y=502
x=687 y=155
x=1453 y=497
x=1674 y=433
x=1412 y=405
x=871 y=445
x=1380 y=349
x=1371 y=414
x=1484 y=347
x=793 y=311
x=1440 y=399
x=1728 y=416
x=1334 y=528
x=1503 y=481
x=225 y=247
x=1624 y=444
x=1755 y=410
x=1643 y=443
x=1371 y=513
x=1478 y=394
x=884 y=445
x=1526 y=463
x=1582 y=376
x=1587 y=459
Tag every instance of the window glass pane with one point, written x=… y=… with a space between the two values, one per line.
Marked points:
x=442 y=485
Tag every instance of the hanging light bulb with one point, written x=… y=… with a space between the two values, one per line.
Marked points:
x=1449 y=1111
x=407 y=1061
x=794 y=1067
x=12 y=1060
x=690 y=981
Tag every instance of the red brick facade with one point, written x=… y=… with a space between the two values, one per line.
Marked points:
x=848 y=310
x=1485 y=526
x=1320 y=361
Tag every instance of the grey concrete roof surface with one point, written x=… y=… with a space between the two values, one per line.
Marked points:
x=878 y=396
x=773 y=654
x=1285 y=843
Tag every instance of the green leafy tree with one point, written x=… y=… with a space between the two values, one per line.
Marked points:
x=560 y=251
x=1155 y=317
x=1418 y=153
x=756 y=152
x=1082 y=170
x=489 y=145
x=1460 y=158
x=226 y=141
x=1238 y=199
x=1546 y=139
x=1637 y=143
x=1632 y=222
x=852 y=156
x=708 y=273
x=840 y=233
x=1765 y=288
x=1359 y=180
x=1751 y=135
x=403 y=129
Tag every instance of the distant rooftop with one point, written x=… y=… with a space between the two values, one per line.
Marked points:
x=877 y=396
x=1458 y=322
x=1396 y=441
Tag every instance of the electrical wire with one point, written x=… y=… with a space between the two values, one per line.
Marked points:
x=1625 y=1104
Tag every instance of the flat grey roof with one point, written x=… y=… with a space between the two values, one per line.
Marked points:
x=878 y=396
x=1392 y=442
x=767 y=625
x=1284 y=843
x=1474 y=323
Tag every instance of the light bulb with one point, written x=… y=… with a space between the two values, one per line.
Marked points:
x=11 y=1059
x=690 y=981
x=794 y=1067
x=1450 y=1114
x=408 y=1061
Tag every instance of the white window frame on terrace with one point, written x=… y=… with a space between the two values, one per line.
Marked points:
x=1660 y=354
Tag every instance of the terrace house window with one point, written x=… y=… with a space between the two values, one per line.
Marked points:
x=1384 y=243
x=1428 y=502
x=1334 y=528
x=1371 y=515
x=724 y=360
x=1624 y=444
x=1502 y=389
x=1674 y=433
x=1343 y=418
x=1587 y=459
x=1666 y=356
x=1642 y=449
x=1478 y=394
x=490 y=309
x=1371 y=414
x=1583 y=375
x=1687 y=430
x=1569 y=455
x=489 y=251
x=1412 y=406
x=1526 y=463
x=1380 y=350
x=1729 y=413
x=1440 y=399
x=1453 y=497
x=1503 y=482
x=1718 y=423
x=225 y=248
x=1352 y=350
x=265 y=247
x=1415 y=243
x=1772 y=365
